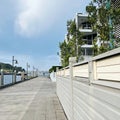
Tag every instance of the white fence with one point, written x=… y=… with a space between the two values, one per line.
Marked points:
x=91 y=90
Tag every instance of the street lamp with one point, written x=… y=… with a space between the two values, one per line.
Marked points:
x=77 y=28
x=13 y=62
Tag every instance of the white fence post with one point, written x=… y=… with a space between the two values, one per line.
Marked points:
x=64 y=72
x=57 y=69
x=94 y=70
x=14 y=77
x=22 y=75
x=57 y=74
x=72 y=60
x=90 y=71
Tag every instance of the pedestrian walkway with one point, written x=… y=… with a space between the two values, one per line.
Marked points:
x=31 y=100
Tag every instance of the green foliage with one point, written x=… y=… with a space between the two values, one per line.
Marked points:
x=69 y=49
x=10 y=68
x=117 y=42
x=99 y=16
x=19 y=69
x=71 y=27
x=95 y=48
x=53 y=68
x=65 y=53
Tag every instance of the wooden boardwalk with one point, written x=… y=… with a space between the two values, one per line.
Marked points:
x=31 y=100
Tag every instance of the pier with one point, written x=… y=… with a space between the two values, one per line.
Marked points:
x=34 y=99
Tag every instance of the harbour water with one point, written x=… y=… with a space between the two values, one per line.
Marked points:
x=8 y=79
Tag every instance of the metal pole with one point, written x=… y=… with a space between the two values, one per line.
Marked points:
x=76 y=37
x=27 y=70
x=12 y=68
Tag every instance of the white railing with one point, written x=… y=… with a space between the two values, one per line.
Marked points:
x=91 y=90
x=102 y=67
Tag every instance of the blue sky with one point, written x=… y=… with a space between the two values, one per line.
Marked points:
x=32 y=29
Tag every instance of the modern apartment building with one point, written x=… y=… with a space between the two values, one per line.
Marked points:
x=83 y=25
x=85 y=28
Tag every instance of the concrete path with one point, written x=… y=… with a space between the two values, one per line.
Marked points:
x=31 y=100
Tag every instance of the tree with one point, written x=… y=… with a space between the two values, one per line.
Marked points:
x=103 y=18
x=53 y=68
x=71 y=49
x=65 y=53
x=9 y=67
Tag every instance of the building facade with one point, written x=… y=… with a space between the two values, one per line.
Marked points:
x=88 y=35
x=83 y=25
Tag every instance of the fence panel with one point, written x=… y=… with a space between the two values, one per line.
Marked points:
x=109 y=68
x=81 y=70
x=64 y=94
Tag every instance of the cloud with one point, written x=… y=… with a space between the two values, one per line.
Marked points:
x=38 y=16
x=33 y=17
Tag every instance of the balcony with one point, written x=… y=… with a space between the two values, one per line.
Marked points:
x=87 y=50
x=88 y=41
x=87 y=46
x=86 y=28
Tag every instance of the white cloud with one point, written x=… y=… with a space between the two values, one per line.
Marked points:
x=37 y=16
x=33 y=17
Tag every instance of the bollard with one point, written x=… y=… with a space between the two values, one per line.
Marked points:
x=14 y=77
x=90 y=70
x=1 y=78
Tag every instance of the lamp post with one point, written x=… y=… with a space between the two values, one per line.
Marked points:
x=13 y=62
x=77 y=50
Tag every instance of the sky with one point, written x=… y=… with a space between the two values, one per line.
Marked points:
x=30 y=30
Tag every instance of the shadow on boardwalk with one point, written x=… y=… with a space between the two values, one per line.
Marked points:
x=32 y=100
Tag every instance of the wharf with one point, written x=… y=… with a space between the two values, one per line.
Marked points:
x=34 y=99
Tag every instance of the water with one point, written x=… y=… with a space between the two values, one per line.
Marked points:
x=8 y=79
